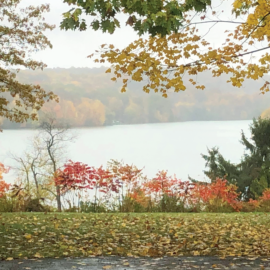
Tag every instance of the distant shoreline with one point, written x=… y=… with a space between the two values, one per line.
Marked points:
x=110 y=125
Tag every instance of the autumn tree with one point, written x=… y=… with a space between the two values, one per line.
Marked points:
x=90 y=112
x=175 y=47
x=20 y=36
x=127 y=177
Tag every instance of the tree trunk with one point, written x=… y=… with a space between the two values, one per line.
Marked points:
x=58 y=199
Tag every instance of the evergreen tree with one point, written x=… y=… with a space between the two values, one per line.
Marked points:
x=252 y=174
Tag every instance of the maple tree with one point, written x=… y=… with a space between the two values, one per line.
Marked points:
x=152 y=16
x=174 y=47
x=19 y=38
x=165 y=189
x=77 y=175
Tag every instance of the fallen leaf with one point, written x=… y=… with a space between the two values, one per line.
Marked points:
x=107 y=267
x=28 y=236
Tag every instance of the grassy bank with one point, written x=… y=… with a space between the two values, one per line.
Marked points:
x=35 y=235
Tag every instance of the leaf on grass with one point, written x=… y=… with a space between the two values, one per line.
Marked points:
x=28 y=236
x=107 y=267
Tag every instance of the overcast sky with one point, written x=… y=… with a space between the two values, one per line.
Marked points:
x=71 y=48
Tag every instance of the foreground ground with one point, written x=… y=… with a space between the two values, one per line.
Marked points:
x=38 y=236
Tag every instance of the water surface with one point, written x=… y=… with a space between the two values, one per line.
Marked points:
x=175 y=147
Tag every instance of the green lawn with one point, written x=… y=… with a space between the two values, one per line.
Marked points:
x=80 y=235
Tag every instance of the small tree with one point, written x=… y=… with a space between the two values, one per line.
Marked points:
x=53 y=136
x=33 y=165
x=79 y=176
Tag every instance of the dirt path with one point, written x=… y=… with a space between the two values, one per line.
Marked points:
x=142 y=263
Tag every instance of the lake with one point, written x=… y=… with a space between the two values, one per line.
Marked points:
x=175 y=147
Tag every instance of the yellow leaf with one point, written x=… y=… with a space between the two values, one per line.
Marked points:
x=28 y=236
x=107 y=267
x=37 y=255
x=56 y=225
x=9 y=259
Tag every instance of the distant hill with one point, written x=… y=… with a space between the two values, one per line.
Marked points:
x=89 y=98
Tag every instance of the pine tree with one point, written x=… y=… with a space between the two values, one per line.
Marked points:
x=252 y=173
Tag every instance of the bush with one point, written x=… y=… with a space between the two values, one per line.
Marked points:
x=217 y=196
x=250 y=206
x=8 y=204
x=265 y=201
x=33 y=205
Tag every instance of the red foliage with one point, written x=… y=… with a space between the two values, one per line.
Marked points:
x=218 y=190
x=3 y=169
x=4 y=187
x=160 y=185
x=266 y=195
x=164 y=184
x=125 y=175
x=77 y=175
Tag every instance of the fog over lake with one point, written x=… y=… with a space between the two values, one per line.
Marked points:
x=175 y=147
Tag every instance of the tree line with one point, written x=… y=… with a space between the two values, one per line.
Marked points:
x=87 y=97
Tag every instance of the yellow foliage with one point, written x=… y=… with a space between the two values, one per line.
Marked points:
x=265 y=114
x=90 y=111
x=154 y=57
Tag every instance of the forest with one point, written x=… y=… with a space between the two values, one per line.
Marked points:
x=88 y=97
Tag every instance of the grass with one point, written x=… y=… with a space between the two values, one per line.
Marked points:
x=38 y=235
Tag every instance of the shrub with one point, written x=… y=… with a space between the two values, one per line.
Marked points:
x=250 y=206
x=265 y=201
x=217 y=196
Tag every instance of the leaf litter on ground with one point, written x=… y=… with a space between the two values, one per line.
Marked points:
x=37 y=236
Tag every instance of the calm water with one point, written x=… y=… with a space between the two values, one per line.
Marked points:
x=175 y=147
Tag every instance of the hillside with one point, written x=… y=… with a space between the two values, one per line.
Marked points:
x=89 y=98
